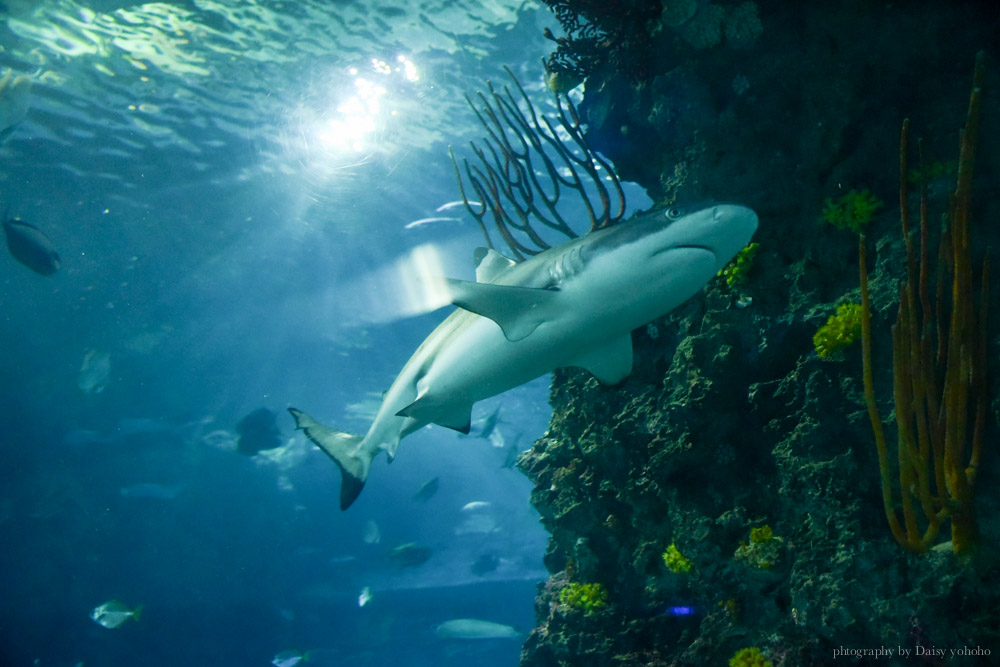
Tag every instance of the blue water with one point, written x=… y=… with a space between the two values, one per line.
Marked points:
x=228 y=185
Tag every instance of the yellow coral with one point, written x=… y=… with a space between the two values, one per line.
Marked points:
x=675 y=561
x=588 y=597
x=749 y=657
x=839 y=332
x=761 y=535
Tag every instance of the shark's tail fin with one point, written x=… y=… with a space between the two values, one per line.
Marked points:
x=343 y=449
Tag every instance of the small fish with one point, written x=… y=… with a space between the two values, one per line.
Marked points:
x=425 y=221
x=365 y=597
x=113 y=613
x=258 y=431
x=30 y=246
x=512 y=453
x=410 y=554
x=15 y=92
x=478 y=523
x=497 y=440
x=473 y=628
x=289 y=658
x=484 y=564
x=151 y=490
x=95 y=371
x=454 y=204
x=342 y=560
x=427 y=490
x=560 y=82
x=485 y=426
x=371 y=533
x=476 y=505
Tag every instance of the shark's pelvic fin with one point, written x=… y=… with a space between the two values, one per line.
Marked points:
x=343 y=448
x=610 y=363
x=426 y=410
x=490 y=264
x=518 y=310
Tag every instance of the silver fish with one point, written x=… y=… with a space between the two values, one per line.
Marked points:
x=95 y=372
x=473 y=628
x=113 y=613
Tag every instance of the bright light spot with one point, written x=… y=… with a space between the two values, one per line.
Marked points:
x=356 y=118
x=409 y=69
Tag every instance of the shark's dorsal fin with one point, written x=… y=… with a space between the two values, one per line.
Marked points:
x=610 y=363
x=490 y=264
x=518 y=310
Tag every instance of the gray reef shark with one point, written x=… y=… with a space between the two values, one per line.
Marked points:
x=575 y=304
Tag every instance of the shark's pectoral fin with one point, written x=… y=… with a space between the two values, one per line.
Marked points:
x=610 y=363
x=518 y=310
x=426 y=410
x=354 y=462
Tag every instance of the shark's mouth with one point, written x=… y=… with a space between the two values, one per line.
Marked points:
x=683 y=247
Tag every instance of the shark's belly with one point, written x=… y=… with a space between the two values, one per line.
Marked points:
x=479 y=362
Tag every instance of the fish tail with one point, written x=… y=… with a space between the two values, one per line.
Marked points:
x=137 y=613
x=343 y=448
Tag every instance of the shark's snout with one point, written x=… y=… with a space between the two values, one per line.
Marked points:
x=731 y=228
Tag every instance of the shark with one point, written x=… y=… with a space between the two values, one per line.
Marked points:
x=574 y=304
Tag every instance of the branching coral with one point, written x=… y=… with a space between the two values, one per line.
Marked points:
x=599 y=32
x=524 y=167
x=939 y=365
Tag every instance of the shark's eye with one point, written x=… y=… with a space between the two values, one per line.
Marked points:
x=674 y=213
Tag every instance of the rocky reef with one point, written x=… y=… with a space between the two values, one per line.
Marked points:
x=727 y=495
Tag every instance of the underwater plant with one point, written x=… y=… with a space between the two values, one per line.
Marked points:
x=517 y=148
x=841 y=330
x=739 y=267
x=932 y=171
x=675 y=561
x=749 y=657
x=587 y=597
x=939 y=364
x=853 y=210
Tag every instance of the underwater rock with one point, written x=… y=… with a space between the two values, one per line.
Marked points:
x=705 y=30
x=731 y=422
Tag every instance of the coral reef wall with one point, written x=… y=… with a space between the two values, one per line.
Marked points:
x=727 y=494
